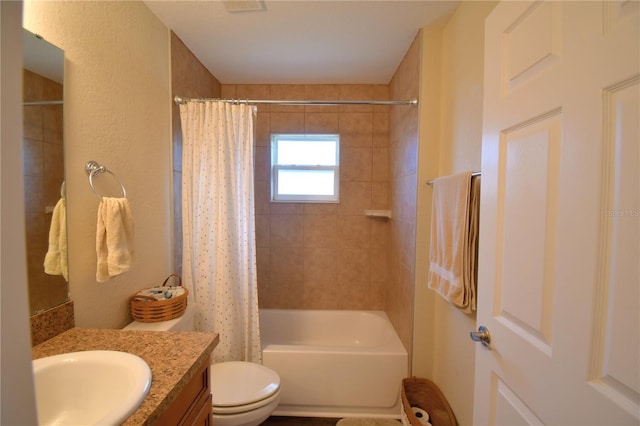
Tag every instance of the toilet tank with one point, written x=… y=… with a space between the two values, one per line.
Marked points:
x=182 y=323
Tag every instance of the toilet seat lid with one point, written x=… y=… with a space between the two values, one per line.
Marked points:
x=236 y=383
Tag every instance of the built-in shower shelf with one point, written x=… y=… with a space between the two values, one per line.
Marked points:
x=384 y=214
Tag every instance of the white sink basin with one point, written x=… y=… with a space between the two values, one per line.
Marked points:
x=89 y=388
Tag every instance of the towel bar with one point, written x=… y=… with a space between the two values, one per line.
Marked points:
x=430 y=182
x=93 y=168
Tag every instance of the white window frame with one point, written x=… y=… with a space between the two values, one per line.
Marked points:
x=276 y=167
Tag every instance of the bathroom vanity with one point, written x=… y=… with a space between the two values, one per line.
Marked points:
x=180 y=390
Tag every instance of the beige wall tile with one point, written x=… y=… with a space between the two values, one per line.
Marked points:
x=286 y=295
x=353 y=265
x=321 y=208
x=356 y=92
x=354 y=296
x=287 y=231
x=320 y=297
x=263 y=265
x=320 y=231
x=322 y=92
x=228 y=91
x=380 y=129
x=286 y=265
x=263 y=129
x=53 y=163
x=355 y=164
x=322 y=122
x=287 y=208
x=287 y=92
x=380 y=165
x=32 y=84
x=52 y=91
x=52 y=128
x=356 y=129
x=33 y=120
x=262 y=190
x=403 y=147
x=255 y=91
x=355 y=198
x=262 y=165
x=380 y=196
x=354 y=231
x=320 y=267
x=379 y=264
x=33 y=157
x=311 y=279
x=380 y=233
x=263 y=230
x=377 y=294
x=287 y=122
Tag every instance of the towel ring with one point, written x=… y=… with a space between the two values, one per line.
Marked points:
x=93 y=168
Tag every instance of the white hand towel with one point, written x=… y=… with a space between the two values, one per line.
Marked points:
x=453 y=239
x=55 y=261
x=114 y=238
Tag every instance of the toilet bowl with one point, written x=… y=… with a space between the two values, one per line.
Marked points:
x=243 y=393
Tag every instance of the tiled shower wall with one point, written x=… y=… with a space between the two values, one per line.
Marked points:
x=317 y=255
x=43 y=176
x=331 y=256
x=189 y=78
x=403 y=174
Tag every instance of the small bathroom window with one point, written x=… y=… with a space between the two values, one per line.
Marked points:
x=305 y=168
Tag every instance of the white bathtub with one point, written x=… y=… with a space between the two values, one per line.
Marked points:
x=334 y=363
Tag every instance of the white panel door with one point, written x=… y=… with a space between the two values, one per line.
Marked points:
x=559 y=255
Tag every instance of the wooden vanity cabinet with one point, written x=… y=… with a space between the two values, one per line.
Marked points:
x=193 y=406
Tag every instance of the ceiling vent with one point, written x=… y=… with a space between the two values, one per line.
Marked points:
x=234 y=6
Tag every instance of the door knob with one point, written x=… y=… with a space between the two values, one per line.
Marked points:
x=482 y=336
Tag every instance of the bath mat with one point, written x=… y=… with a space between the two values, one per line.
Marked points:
x=368 y=422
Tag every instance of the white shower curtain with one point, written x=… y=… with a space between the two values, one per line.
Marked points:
x=219 y=250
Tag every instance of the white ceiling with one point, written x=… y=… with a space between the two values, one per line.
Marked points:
x=302 y=41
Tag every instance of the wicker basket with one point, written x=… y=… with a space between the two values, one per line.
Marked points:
x=423 y=393
x=149 y=309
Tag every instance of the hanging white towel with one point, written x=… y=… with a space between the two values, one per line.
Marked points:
x=114 y=238
x=453 y=240
x=55 y=261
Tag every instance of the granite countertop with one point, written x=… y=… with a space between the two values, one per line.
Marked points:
x=174 y=358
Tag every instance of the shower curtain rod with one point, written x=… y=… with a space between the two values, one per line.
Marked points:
x=42 y=103
x=178 y=100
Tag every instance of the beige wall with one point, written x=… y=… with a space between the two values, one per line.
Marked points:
x=452 y=89
x=117 y=112
x=430 y=93
x=319 y=255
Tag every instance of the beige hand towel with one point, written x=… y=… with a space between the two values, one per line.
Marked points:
x=453 y=240
x=114 y=238
x=55 y=261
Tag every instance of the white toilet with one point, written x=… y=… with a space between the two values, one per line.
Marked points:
x=243 y=393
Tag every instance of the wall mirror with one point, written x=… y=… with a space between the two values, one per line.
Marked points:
x=44 y=189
